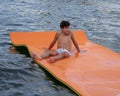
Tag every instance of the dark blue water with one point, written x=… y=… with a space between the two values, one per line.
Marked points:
x=18 y=76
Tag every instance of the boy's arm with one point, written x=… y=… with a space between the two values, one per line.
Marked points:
x=75 y=43
x=53 y=42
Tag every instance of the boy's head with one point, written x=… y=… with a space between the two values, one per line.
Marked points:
x=64 y=25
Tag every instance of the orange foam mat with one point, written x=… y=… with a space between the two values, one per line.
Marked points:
x=93 y=72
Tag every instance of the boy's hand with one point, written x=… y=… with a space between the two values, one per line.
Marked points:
x=77 y=54
x=46 y=49
x=78 y=50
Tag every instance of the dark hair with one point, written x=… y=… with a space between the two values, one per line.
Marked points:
x=64 y=24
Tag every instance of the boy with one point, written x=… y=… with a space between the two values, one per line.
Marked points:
x=64 y=44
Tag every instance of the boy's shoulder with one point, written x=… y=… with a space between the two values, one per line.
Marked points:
x=58 y=32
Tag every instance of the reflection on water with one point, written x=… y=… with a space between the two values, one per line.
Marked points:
x=18 y=76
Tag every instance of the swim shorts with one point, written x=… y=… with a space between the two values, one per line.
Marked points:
x=61 y=50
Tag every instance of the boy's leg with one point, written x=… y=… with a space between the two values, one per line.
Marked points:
x=49 y=53
x=58 y=57
x=46 y=54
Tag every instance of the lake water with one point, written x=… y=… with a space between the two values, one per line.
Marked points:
x=18 y=75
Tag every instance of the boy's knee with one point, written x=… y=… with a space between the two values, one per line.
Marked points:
x=65 y=54
x=53 y=53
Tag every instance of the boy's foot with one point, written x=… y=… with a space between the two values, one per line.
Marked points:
x=34 y=56
x=51 y=60
x=37 y=57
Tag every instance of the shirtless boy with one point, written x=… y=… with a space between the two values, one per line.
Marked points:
x=64 y=44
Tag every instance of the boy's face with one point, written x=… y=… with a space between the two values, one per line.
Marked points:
x=66 y=30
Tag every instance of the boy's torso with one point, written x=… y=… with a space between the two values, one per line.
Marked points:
x=64 y=41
